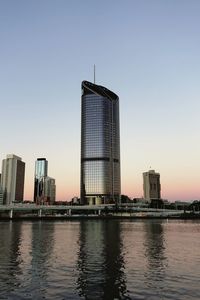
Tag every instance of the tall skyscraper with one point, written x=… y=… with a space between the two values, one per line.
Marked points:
x=44 y=186
x=100 y=145
x=41 y=169
x=151 y=185
x=12 y=179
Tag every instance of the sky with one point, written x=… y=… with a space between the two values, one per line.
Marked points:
x=147 y=52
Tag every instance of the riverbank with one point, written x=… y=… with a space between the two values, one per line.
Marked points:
x=184 y=216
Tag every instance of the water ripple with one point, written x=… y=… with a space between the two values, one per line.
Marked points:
x=100 y=260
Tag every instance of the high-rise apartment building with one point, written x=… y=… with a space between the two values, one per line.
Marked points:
x=100 y=145
x=44 y=186
x=151 y=185
x=12 y=179
x=50 y=190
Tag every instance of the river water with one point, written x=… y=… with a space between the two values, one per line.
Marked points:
x=98 y=259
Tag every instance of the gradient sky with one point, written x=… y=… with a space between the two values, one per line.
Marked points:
x=148 y=52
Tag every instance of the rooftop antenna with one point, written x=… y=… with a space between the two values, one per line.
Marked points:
x=94 y=74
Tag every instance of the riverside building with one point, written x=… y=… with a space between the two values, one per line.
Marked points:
x=12 y=179
x=151 y=185
x=41 y=169
x=100 y=145
x=1 y=195
x=50 y=190
x=1 y=192
x=44 y=186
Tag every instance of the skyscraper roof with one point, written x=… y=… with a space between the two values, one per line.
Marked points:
x=90 y=88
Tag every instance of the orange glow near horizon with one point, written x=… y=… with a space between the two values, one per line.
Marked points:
x=168 y=191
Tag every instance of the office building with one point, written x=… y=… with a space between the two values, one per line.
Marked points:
x=1 y=192
x=50 y=190
x=100 y=145
x=151 y=185
x=1 y=195
x=12 y=179
x=41 y=169
x=44 y=186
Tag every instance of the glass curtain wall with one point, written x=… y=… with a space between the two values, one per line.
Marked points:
x=41 y=168
x=100 y=145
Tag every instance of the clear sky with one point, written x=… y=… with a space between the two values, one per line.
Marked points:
x=147 y=52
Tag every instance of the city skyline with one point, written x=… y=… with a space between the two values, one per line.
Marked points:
x=150 y=59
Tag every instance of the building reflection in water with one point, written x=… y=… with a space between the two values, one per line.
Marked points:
x=42 y=248
x=10 y=257
x=100 y=261
x=155 y=254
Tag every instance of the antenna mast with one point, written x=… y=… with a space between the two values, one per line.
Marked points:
x=94 y=74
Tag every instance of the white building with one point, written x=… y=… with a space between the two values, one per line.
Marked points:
x=12 y=179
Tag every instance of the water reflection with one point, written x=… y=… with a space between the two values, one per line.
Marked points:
x=42 y=249
x=155 y=253
x=111 y=260
x=10 y=257
x=100 y=261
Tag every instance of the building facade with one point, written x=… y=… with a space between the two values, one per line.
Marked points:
x=44 y=186
x=151 y=185
x=100 y=145
x=1 y=192
x=41 y=170
x=50 y=190
x=1 y=195
x=12 y=179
